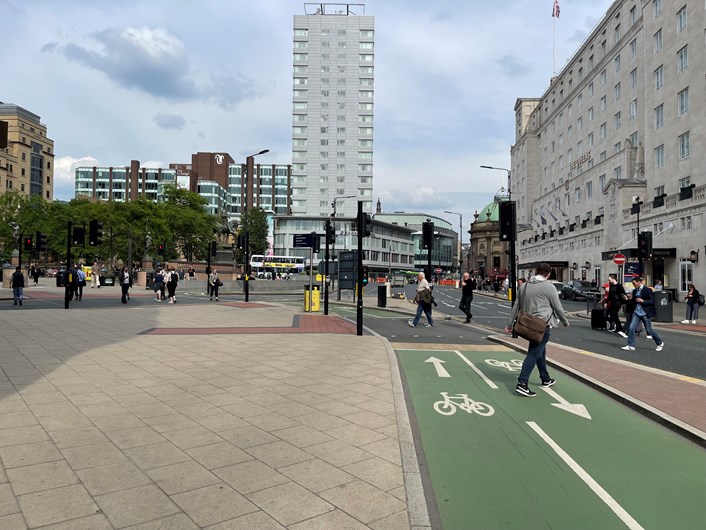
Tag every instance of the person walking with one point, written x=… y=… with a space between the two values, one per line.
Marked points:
x=159 y=285
x=34 y=273
x=125 y=284
x=213 y=284
x=538 y=298
x=692 y=304
x=17 y=282
x=467 y=287
x=644 y=311
x=172 y=280
x=81 y=275
x=424 y=300
x=95 y=275
x=616 y=298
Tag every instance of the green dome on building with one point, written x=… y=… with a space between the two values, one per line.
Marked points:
x=494 y=209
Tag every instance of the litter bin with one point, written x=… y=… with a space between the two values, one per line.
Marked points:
x=592 y=302
x=60 y=278
x=382 y=295
x=663 y=306
x=312 y=300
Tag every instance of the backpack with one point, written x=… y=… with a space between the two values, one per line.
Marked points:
x=175 y=277
x=701 y=300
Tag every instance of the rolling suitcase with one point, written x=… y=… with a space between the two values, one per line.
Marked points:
x=598 y=320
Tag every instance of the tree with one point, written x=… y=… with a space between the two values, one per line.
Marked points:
x=256 y=221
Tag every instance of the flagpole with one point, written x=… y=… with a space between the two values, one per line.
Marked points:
x=554 y=61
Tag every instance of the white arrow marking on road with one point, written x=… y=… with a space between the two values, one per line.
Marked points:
x=476 y=370
x=588 y=479
x=574 y=408
x=438 y=364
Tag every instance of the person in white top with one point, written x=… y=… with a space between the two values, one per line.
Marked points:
x=424 y=301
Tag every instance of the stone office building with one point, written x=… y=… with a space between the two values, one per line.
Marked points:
x=609 y=149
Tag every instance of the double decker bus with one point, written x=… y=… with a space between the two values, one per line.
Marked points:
x=276 y=264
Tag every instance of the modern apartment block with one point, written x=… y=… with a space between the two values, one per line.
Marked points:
x=27 y=163
x=214 y=176
x=609 y=149
x=332 y=116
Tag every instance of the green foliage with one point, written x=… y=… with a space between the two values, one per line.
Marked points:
x=180 y=222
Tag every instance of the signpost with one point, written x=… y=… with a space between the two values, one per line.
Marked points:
x=619 y=259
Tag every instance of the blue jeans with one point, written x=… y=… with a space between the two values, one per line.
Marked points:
x=692 y=311
x=536 y=355
x=426 y=308
x=17 y=293
x=636 y=319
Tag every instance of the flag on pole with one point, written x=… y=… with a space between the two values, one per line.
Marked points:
x=553 y=217
x=555 y=10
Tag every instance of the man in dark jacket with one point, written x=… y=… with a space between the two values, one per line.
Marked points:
x=616 y=298
x=17 y=282
x=467 y=287
x=644 y=302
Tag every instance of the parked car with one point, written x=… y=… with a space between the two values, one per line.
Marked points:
x=558 y=285
x=575 y=289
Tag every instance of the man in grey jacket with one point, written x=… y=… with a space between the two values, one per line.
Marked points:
x=538 y=298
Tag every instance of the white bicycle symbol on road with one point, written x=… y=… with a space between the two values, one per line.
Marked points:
x=449 y=405
x=513 y=366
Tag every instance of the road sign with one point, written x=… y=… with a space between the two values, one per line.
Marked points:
x=619 y=259
x=303 y=240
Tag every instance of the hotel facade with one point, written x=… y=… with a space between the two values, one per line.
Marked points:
x=608 y=150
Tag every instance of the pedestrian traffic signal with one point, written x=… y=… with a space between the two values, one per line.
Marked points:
x=427 y=235
x=507 y=221
x=364 y=224
x=330 y=234
x=241 y=241
x=315 y=242
x=214 y=248
x=28 y=244
x=644 y=244
x=160 y=249
x=365 y=275
x=41 y=242
x=95 y=233
x=79 y=236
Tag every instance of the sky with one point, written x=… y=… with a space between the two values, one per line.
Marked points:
x=158 y=80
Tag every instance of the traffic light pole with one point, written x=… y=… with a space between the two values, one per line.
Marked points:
x=67 y=279
x=359 y=281
x=327 y=231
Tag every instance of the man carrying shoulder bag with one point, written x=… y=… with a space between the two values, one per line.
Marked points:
x=540 y=299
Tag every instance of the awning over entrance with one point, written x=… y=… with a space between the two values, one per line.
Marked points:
x=552 y=264
x=657 y=253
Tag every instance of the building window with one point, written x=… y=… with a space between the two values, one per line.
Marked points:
x=683 y=101
x=683 y=58
x=659 y=157
x=684 y=145
x=681 y=19
x=603 y=131
x=603 y=78
x=656 y=8
x=618 y=172
x=633 y=77
x=617 y=91
x=659 y=116
x=633 y=109
x=616 y=63
x=617 y=120
x=603 y=100
x=616 y=148
x=659 y=77
x=633 y=15
x=657 y=41
x=590 y=114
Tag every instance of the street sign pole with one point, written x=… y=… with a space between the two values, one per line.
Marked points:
x=327 y=230
x=359 y=281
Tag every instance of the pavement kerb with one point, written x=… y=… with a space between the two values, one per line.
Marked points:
x=688 y=431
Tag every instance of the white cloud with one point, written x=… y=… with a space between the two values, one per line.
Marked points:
x=65 y=175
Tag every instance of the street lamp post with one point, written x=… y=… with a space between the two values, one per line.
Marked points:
x=460 y=240
x=248 y=184
x=636 y=203
x=512 y=259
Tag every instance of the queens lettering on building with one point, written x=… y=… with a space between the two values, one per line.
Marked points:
x=583 y=158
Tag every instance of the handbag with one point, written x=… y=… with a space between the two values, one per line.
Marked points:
x=527 y=326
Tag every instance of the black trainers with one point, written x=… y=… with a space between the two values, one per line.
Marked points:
x=524 y=390
x=550 y=382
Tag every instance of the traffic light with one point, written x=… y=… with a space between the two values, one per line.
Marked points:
x=41 y=242
x=95 y=233
x=214 y=248
x=644 y=244
x=330 y=234
x=160 y=249
x=315 y=242
x=79 y=236
x=365 y=275
x=28 y=244
x=427 y=235
x=364 y=224
x=241 y=241
x=507 y=221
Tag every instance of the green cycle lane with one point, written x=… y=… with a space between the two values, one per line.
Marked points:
x=568 y=458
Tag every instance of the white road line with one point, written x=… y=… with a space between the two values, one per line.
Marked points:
x=476 y=370
x=590 y=482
